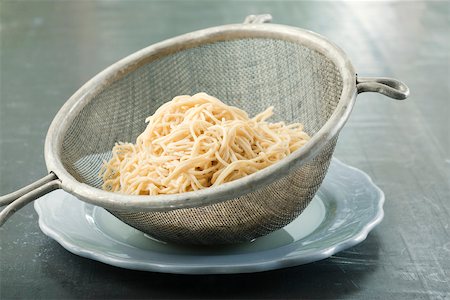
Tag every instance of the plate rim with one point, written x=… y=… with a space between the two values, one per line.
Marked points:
x=271 y=264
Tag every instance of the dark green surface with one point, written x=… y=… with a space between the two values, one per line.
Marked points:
x=50 y=48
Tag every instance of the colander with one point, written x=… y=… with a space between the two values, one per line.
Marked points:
x=252 y=66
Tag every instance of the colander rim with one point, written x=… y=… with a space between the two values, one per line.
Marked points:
x=230 y=190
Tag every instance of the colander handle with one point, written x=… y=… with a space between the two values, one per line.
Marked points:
x=258 y=19
x=390 y=87
x=18 y=199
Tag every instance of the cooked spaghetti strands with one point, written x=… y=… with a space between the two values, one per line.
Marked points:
x=193 y=143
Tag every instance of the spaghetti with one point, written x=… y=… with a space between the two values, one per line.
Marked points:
x=192 y=143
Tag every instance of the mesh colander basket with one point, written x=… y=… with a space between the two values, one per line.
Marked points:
x=252 y=66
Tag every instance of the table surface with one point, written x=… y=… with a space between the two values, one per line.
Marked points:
x=50 y=48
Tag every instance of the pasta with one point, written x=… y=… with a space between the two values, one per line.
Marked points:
x=195 y=142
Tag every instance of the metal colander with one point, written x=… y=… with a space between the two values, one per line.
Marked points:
x=252 y=66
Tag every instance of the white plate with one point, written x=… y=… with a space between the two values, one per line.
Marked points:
x=347 y=206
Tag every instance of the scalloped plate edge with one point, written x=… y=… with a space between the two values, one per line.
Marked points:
x=266 y=265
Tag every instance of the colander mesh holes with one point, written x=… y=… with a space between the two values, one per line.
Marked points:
x=252 y=74
x=241 y=219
